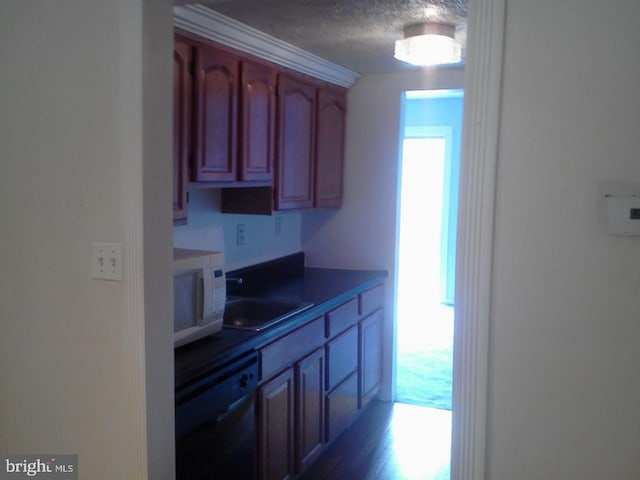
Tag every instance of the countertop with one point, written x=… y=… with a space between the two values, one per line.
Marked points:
x=325 y=288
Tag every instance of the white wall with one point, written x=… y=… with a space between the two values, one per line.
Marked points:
x=72 y=348
x=208 y=229
x=362 y=234
x=564 y=389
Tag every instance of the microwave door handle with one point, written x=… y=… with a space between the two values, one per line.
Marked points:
x=204 y=300
x=199 y=297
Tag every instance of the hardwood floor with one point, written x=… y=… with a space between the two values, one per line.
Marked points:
x=390 y=442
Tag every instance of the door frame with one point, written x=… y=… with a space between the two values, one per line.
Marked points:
x=478 y=168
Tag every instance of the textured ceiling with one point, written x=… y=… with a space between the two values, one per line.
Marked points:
x=357 y=34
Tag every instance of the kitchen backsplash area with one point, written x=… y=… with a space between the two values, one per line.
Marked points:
x=265 y=237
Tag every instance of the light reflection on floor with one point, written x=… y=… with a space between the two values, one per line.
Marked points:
x=421 y=439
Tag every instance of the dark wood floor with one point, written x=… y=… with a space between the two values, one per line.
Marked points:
x=389 y=442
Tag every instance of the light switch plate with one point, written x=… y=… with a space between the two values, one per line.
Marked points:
x=106 y=260
x=623 y=215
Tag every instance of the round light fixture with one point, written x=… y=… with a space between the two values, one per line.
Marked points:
x=428 y=43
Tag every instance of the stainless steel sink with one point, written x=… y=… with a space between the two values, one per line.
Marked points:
x=256 y=314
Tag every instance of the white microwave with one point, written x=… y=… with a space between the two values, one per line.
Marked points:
x=199 y=294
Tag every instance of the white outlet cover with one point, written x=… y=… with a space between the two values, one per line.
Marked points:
x=106 y=261
x=240 y=234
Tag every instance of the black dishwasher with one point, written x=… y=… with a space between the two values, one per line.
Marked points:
x=215 y=423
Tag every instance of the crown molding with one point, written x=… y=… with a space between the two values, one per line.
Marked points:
x=206 y=23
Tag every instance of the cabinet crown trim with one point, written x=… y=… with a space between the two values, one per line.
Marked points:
x=207 y=23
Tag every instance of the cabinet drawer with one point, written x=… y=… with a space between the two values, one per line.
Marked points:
x=342 y=357
x=290 y=348
x=371 y=300
x=342 y=407
x=342 y=317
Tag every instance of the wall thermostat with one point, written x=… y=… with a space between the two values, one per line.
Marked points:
x=623 y=215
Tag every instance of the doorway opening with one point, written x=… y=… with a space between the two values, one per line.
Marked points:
x=430 y=153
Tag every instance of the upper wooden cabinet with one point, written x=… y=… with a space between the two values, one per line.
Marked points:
x=181 y=126
x=216 y=102
x=330 y=139
x=234 y=99
x=271 y=138
x=296 y=143
x=258 y=121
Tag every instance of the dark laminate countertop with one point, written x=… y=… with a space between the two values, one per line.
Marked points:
x=325 y=288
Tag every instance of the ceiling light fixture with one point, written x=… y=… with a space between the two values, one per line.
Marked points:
x=428 y=43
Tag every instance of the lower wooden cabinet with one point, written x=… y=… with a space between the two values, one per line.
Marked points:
x=291 y=419
x=309 y=409
x=342 y=406
x=342 y=357
x=342 y=379
x=316 y=380
x=275 y=427
x=370 y=340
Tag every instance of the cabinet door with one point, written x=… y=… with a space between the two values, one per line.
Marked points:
x=342 y=407
x=310 y=409
x=216 y=96
x=295 y=148
x=332 y=114
x=182 y=54
x=370 y=356
x=275 y=428
x=258 y=122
